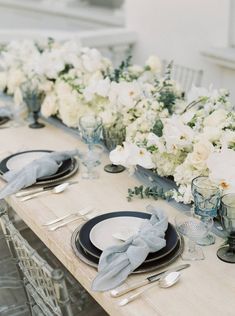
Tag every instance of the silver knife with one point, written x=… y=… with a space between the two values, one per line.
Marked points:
x=45 y=188
x=155 y=277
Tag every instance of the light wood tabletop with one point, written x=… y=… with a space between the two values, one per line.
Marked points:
x=206 y=288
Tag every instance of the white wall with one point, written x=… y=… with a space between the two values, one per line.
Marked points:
x=179 y=30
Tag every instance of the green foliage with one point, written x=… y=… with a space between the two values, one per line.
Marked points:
x=157 y=128
x=193 y=121
x=168 y=98
x=119 y=72
x=154 y=192
x=78 y=87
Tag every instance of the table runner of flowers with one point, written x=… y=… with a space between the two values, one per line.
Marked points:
x=173 y=134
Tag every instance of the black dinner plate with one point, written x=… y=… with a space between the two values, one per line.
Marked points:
x=64 y=168
x=144 y=267
x=171 y=235
x=4 y=119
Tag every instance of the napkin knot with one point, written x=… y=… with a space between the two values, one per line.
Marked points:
x=47 y=165
x=117 y=262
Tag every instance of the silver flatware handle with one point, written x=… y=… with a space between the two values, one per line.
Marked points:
x=29 y=192
x=29 y=197
x=119 y=292
x=57 y=220
x=66 y=222
x=44 y=189
x=82 y=212
x=131 y=298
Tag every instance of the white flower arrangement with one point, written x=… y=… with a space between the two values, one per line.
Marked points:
x=200 y=141
x=172 y=135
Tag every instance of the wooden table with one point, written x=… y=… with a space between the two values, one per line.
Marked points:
x=206 y=288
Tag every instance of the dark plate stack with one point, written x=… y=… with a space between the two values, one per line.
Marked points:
x=90 y=254
x=66 y=169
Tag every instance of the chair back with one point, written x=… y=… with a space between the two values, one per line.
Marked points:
x=46 y=288
x=185 y=76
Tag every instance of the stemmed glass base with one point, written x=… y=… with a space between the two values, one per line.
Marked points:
x=36 y=124
x=111 y=168
x=90 y=175
x=207 y=241
x=227 y=253
x=193 y=253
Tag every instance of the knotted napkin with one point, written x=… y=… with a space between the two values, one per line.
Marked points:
x=47 y=165
x=5 y=112
x=117 y=262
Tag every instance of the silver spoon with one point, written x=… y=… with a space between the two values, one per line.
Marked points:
x=58 y=189
x=165 y=281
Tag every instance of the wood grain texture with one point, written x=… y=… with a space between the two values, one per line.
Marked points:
x=206 y=288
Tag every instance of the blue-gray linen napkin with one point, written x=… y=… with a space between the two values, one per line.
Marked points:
x=5 y=112
x=47 y=165
x=117 y=262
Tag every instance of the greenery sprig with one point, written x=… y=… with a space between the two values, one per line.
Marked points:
x=154 y=192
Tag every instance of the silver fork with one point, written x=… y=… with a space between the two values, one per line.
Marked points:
x=80 y=213
x=84 y=217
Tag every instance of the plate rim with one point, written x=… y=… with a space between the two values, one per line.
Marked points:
x=170 y=226
x=139 y=270
x=4 y=168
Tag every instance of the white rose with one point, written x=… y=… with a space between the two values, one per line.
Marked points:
x=14 y=80
x=18 y=98
x=3 y=80
x=216 y=118
x=200 y=154
x=211 y=133
x=49 y=106
x=91 y=60
x=154 y=63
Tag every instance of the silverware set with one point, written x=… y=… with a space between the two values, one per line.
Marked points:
x=84 y=214
x=165 y=279
x=26 y=195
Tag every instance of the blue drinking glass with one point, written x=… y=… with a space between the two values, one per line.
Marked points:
x=206 y=195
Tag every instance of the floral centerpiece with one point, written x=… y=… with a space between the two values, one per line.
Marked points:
x=198 y=139
x=172 y=134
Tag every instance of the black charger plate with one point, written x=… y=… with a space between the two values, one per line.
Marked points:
x=4 y=119
x=64 y=168
x=171 y=235
x=143 y=268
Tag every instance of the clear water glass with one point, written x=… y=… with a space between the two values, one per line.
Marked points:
x=194 y=229
x=227 y=214
x=90 y=159
x=90 y=128
x=206 y=197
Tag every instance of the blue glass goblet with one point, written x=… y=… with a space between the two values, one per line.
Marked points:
x=33 y=100
x=227 y=214
x=90 y=128
x=206 y=197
